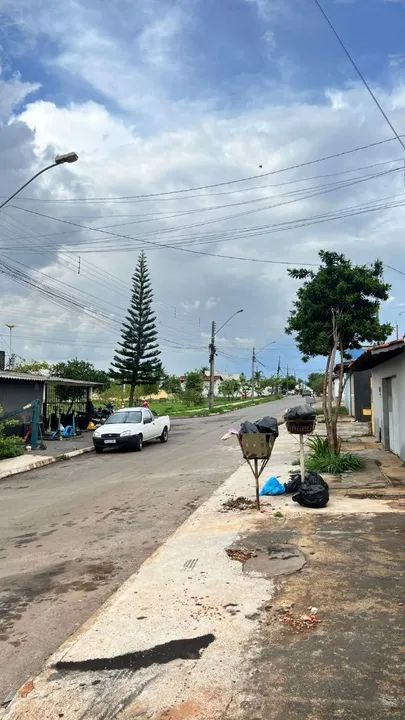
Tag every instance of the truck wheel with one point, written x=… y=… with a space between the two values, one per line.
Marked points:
x=98 y=450
x=138 y=444
x=164 y=436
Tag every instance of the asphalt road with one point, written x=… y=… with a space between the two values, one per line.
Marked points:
x=71 y=533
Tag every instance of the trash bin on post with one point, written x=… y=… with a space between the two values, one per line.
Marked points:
x=257 y=447
x=300 y=420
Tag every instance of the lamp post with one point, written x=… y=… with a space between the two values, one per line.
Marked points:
x=10 y=358
x=212 y=350
x=70 y=157
x=396 y=326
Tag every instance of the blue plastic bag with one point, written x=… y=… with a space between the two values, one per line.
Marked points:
x=272 y=487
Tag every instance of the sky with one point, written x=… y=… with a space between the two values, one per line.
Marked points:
x=201 y=129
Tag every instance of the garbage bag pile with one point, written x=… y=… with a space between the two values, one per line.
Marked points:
x=267 y=425
x=312 y=493
x=302 y=413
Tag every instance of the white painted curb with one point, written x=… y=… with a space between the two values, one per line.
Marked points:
x=43 y=461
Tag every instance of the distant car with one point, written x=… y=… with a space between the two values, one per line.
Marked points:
x=305 y=392
x=130 y=428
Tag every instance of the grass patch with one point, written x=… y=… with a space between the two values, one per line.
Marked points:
x=181 y=408
x=322 y=459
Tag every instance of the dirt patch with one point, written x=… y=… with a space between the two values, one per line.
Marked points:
x=239 y=503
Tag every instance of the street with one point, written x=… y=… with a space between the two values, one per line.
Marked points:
x=71 y=533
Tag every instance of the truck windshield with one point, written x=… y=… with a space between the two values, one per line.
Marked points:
x=134 y=416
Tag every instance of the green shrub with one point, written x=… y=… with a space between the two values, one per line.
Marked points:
x=11 y=446
x=322 y=459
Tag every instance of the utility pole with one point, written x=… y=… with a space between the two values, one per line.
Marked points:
x=11 y=357
x=212 y=349
x=253 y=372
x=278 y=376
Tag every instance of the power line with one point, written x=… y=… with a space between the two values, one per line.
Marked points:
x=360 y=74
x=225 y=182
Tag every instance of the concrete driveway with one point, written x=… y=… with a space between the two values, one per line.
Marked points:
x=71 y=533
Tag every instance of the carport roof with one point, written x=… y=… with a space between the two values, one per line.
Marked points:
x=49 y=379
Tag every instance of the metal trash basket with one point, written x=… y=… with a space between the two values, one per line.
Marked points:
x=256 y=446
x=300 y=427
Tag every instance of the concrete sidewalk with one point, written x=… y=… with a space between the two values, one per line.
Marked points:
x=216 y=625
x=55 y=450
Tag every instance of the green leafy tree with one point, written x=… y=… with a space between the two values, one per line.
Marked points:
x=194 y=386
x=287 y=383
x=31 y=366
x=316 y=381
x=337 y=310
x=229 y=388
x=76 y=369
x=172 y=384
x=245 y=384
x=136 y=361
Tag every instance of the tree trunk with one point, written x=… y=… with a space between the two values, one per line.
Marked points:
x=131 y=395
x=330 y=419
x=325 y=387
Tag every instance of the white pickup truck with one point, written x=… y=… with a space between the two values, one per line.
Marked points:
x=130 y=428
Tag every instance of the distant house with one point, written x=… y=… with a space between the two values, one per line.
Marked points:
x=206 y=379
x=386 y=364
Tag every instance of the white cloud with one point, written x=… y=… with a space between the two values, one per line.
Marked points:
x=121 y=157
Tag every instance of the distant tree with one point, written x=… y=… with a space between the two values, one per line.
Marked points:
x=258 y=383
x=337 y=310
x=172 y=384
x=194 y=386
x=245 y=384
x=316 y=381
x=136 y=361
x=287 y=383
x=31 y=366
x=229 y=388
x=76 y=369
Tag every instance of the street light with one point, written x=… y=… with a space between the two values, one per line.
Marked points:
x=212 y=351
x=396 y=326
x=59 y=160
x=10 y=359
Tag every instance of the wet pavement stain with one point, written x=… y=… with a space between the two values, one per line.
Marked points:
x=184 y=649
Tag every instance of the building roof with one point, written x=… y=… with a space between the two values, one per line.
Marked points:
x=49 y=379
x=379 y=354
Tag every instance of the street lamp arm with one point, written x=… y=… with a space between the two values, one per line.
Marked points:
x=229 y=319
x=59 y=160
x=27 y=183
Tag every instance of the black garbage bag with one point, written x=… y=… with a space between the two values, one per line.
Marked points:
x=293 y=485
x=247 y=428
x=304 y=413
x=313 y=493
x=268 y=425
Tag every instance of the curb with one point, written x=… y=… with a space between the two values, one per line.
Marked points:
x=42 y=462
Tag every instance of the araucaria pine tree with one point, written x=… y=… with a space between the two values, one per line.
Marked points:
x=136 y=361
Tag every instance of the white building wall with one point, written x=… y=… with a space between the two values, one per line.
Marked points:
x=394 y=369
